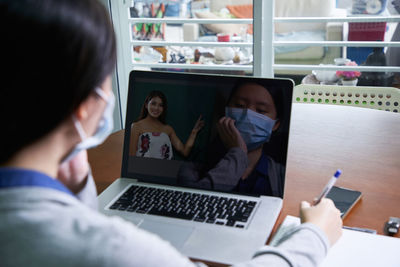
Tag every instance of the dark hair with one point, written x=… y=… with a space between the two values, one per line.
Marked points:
x=54 y=53
x=150 y=96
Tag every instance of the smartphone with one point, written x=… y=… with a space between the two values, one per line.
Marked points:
x=344 y=199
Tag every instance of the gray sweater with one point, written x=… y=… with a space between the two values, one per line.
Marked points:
x=45 y=227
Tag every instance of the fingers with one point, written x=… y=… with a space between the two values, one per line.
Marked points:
x=229 y=134
x=327 y=202
x=324 y=215
x=331 y=205
x=226 y=127
x=223 y=129
x=198 y=121
x=304 y=205
x=199 y=124
x=228 y=123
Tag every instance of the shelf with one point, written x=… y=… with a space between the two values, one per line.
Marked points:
x=201 y=44
x=183 y=21
x=194 y=66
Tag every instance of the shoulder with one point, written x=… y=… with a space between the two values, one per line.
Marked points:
x=136 y=124
x=136 y=127
x=168 y=129
x=70 y=230
x=62 y=225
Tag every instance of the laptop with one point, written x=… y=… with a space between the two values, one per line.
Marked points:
x=200 y=202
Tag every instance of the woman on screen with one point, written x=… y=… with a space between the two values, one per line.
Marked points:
x=150 y=135
x=252 y=116
x=240 y=158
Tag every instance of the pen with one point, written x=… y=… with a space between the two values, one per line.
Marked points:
x=328 y=186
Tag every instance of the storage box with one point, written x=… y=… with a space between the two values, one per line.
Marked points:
x=358 y=54
x=364 y=31
x=367 y=31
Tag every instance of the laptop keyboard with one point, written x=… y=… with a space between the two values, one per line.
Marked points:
x=185 y=205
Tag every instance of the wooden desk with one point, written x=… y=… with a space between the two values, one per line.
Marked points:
x=364 y=143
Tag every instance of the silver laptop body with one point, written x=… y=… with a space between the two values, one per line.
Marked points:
x=215 y=242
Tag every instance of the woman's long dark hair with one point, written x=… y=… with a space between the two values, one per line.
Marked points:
x=150 y=96
x=54 y=54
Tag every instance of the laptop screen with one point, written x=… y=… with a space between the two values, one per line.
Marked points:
x=221 y=133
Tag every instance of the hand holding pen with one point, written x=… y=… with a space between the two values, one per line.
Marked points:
x=323 y=213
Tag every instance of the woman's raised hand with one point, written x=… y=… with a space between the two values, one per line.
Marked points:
x=198 y=125
x=229 y=134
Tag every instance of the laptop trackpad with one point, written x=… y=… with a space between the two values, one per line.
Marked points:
x=176 y=235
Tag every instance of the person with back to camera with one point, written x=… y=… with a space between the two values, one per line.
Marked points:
x=238 y=158
x=152 y=137
x=47 y=203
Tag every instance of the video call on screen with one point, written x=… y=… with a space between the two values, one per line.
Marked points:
x=187 y=99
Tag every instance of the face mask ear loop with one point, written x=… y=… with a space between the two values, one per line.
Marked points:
x=79 y=128
x=78 y=125
x=101 y=93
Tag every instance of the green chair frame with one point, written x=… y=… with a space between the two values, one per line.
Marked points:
x=382 y=98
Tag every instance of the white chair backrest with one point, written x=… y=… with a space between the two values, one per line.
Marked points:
x=382 y=98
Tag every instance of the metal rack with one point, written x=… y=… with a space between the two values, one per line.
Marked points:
x=263 y=42
x=260 y=29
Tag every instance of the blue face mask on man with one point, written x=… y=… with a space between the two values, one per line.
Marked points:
x=255 y=128
x=103 y=130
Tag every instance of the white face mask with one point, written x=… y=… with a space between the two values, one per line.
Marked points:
x=104 y=128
